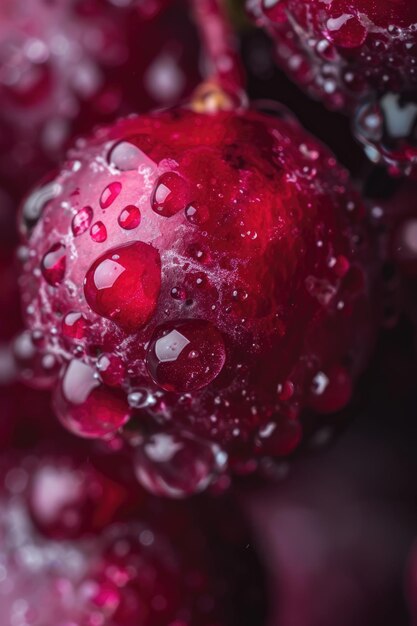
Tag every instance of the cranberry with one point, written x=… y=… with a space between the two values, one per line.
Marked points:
x=66 y=66
x=72 y=552
x=200 y=334
x=356 y=55
x=69 y=499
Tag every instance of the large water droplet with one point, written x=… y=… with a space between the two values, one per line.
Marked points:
x=170 y=194
x=110 y=194
x=177 y=465
x=85 y=406
x=123 y=284
x=53 y=264
x=185 y=355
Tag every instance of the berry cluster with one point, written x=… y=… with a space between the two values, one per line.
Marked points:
x=70 y=64
x=355 y=55
x=195 y=295
x=78 y=548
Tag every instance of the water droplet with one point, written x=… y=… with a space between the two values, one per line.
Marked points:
x=346 y=31
x=170 y=194
x=285 y=391
x=123 y=285
x=177 y=465
x=98 y=232
x=112 y=369
x=82 y=221
x=196 y=213
x=178 y=293
x=127 y=156
x=281 y=438
x=130 y=217
x=139 y=398
x=185 y=355
x=53 y=264
x=74 y=325
x=274 y=10
x=85 y=406
x=35 y=203
x=341 y=266
x=110 y=194
x=331 y=390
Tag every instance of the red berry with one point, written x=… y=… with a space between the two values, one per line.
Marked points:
x=221 y=316
x=66 y=66
x=73 y=552
x=355 y=55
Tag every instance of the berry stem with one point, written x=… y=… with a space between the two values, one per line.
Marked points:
x=219 y=41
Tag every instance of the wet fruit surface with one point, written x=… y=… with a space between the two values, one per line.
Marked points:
x=79 y=548
x=66 y=66
x=238 y=300
x=358 y=56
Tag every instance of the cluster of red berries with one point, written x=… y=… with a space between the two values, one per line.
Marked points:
x=68 y=65
x=80 y=548
x=356 y=55
x=201 y=288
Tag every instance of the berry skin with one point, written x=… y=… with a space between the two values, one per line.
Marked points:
x=238 y=301
x=70 y=64
x=151 y=565
x=359 y=56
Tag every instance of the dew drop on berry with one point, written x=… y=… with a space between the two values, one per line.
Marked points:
x=82 y=221
x=170 y=194
x=127 y=156
x=280 y=439
x=35 y=203
x=178 y=293
x=123 y=284
x=346 y=31
x=98 y=232
x=196 y=213
x=285 y=391
x=111 y=369
x=53 y=264
x=110 y=194
x=177 y=465
x=331 y=391
x=130 y=217
x=341 y=266
x=74 y=325
x=85 y=406
x=185 y=355
x=274 y=10
x=139 y=398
